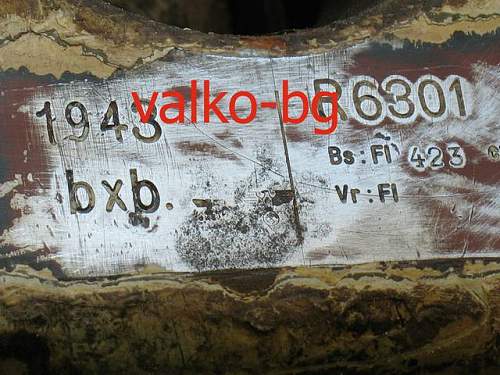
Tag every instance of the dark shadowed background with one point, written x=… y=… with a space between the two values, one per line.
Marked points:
x=253 y=17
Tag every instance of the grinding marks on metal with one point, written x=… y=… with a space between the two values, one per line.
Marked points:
x=411 y=172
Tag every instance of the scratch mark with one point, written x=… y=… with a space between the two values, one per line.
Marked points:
x=466 y=244
x=298 y=228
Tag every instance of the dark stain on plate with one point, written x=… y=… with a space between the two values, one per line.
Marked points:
x=204 y=148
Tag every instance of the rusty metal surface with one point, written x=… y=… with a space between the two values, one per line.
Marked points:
x=431 y=317
x=411 y=172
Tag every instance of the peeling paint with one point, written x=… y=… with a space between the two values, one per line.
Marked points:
x=424 y=30
x=42 y=56
x=8 y=186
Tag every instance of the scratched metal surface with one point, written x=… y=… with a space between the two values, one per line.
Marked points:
x=412 y=177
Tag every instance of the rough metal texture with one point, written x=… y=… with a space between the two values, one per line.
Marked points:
x=101 y=39
x=426 y=316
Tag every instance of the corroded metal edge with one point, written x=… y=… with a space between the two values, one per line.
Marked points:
x=409 y=317
x=103 y=39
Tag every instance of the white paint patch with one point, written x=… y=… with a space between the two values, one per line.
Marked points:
x=223 y=187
